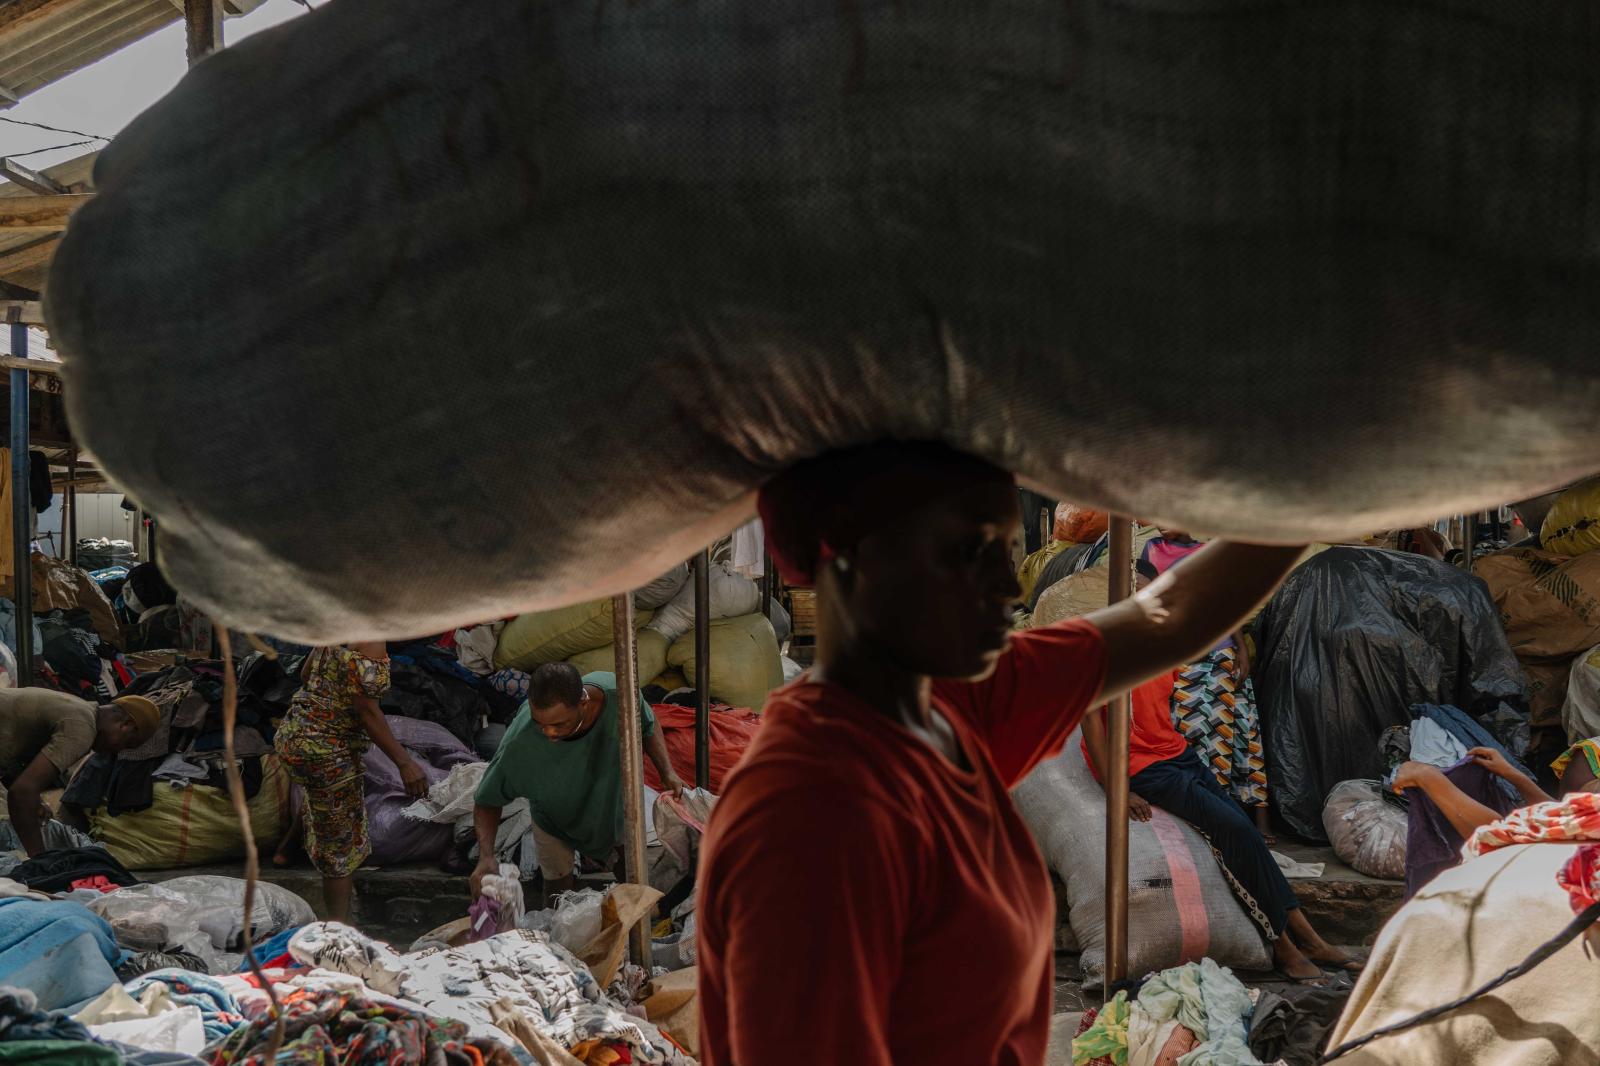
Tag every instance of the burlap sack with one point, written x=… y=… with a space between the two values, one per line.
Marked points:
x=398 y=319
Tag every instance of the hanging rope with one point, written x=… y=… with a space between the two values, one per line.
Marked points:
x=252 y=861
x=1573 y=930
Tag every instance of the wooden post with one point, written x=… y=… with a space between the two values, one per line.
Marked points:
x=21 y=508
x=630 y=738
x=1045 y=529
x=69 y=527
x=203 y=20
x=1119 y=724
x=702 y=668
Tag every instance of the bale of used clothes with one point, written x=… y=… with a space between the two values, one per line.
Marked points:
x=427 y=682
x=731 y=595
x=745 y=663
x=1027 y=231
x=193 y=824
x=1352 y=640
x=395 y=837
x=61 y=869
x=1468 y=926
x=1549 y=606
x=1572 y=525
x=1580 y=710
x=1065 y=808
x=651 y=656
x=60 y=586
x=558 y=635
x=60 y=951
x=1366 y=825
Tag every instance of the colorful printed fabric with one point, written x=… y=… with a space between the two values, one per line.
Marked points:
x=1573 y=819
x=1580 y=877
x=328 y=1027
x=1219 y=718
x=334 y=781
x=219 y=1012
x=1103 y=1036
x=332 y=679
x=1590 y=749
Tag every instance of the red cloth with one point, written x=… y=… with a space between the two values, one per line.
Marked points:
x=863 y=900
x=98 y=882
x=731 y=733
x=1581 y=878
x=1154 y=738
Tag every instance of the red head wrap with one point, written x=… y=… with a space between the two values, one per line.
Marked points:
x=827 y=504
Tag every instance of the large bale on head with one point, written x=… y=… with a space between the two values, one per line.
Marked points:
x=1248 y=266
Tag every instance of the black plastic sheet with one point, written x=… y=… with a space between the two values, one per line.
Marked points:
x=1354 y=639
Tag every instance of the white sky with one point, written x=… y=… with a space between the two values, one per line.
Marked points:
x=104 y=98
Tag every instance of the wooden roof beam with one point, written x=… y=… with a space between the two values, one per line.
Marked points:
x=46 y=214
x=28 y=312
x=34 y=254
x=32 y=180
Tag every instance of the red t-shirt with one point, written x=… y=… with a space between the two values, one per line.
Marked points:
x=1153 y=738
x=865 y=901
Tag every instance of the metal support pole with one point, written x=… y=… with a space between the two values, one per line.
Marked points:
x=1045 y=527
x=70 y=500
x=21 y=508
x=1119 y=723
x=702 y=669
x=630 y=738
x=1469 y=537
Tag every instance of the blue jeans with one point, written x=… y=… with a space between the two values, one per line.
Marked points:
x=1183 y=787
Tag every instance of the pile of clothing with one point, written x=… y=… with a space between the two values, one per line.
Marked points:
x=1201 y=1015
x=438 y=680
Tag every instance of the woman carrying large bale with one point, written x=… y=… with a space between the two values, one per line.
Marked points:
x=922 y=711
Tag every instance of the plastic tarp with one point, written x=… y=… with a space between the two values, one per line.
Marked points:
x=1353 y=640
x=743 y=234
x=395 y=837
x=732 y=732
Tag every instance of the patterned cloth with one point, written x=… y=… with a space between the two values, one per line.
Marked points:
x=1580 y=877
x=1589 y=749
x=345 y=1028
x=1103 y=1035
x=321 y=743
x=219 y=1012
x=1219 y=718
x=512 y=683
x=1573 y=819
x=336 y=809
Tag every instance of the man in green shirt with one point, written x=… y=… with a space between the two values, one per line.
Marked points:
x=561 y=754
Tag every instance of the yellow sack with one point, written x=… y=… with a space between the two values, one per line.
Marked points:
x=652 y=657
x=1573 y=525
x=554 y=636
x=193 y=826
x=1028 y=573
x=671 y=680
x=745 y=664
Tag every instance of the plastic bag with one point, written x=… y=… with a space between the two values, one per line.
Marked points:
x=149 y=917
x=1076 y=524
x=1367 y=831
x=218 y=904
x=395 y=837
x=577 y=919
x=1352 y=640
x=679 y=825
x=1572 y=525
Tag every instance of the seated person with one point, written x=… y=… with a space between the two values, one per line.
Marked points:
x=1578 y=770
x=1164 y=771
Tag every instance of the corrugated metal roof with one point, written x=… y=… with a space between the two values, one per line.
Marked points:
x=42 y=41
